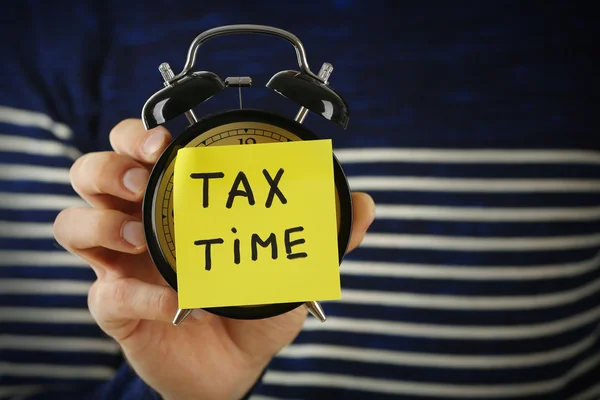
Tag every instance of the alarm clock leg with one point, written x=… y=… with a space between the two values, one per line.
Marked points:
x=181 y=315
x=314 y=307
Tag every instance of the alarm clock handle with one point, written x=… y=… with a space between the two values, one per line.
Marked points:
x=243 y=29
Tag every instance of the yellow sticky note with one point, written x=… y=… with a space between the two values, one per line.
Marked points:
x=255 y=224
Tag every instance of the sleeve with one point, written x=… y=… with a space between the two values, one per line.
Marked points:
x=125 y=385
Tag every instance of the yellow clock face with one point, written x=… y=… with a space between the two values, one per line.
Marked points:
x=234 y=128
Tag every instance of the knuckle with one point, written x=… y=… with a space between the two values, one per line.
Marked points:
x=103 y=170
x=61 y=225
x=162 y=301
x=94 y=299
x=74 y=171
x=91 y=170
x=107 y=299
x=119 y=292
x=105 y=165
x=105 y=224
x=122 y=129
x=110 y=298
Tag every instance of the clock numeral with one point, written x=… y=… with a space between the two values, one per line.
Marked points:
x=249 y=140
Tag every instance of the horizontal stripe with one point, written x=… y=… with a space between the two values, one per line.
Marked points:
x=61 y=175
x=18 y=144
x=473 y=185
x=56 y=371
x=40 y=259
x=486 y=214
x=449 y=302
x=433 y=242
x=21 y=172
x=45 y=343
x=20 y=117
x=467 y=156
x=398 y=387
x=39 y=287
x=23 y=391
x=423 y=360
x=26 y=201
x=497 y=200
x=26 y=230
x=459 y=332
x=481 y=272
x=46 y=315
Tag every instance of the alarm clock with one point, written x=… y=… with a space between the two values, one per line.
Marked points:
x=235 y=127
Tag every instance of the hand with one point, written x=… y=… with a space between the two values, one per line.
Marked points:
x=206 y=357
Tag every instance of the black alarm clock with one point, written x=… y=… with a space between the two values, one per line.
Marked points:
x=188 y=89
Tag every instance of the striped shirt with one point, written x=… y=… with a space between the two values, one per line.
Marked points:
x=473 y=127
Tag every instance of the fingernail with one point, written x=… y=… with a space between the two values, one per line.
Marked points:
x=133 y=233
x=135 y=179
x=198 y=314
x=153 y=142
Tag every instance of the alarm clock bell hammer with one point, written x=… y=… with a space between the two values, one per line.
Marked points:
x=186 y=90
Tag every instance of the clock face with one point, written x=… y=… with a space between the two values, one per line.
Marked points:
x=233 y=128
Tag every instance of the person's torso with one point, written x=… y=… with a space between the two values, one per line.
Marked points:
x=472 y=128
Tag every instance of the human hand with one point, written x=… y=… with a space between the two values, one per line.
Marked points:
x=207 y=356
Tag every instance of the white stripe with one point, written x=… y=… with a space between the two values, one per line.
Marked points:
x=31 y=286
x=22 y=391
x=36 y=119
x=489 y=303
x=481 y=214
x=46 y=315
x=470 y=243
x=591 y=393
x=46 y=343
x=469 y=273
x=425 y=360
x=20 y=172
x=467 y=156
x=56 y=371
x=40 y=259
x=20 y=144
x=26 y=230
x=474 y=185
x=26 y=201
x=399 y=387
x=460 y=332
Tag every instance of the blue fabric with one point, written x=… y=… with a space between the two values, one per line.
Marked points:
x=438 y=76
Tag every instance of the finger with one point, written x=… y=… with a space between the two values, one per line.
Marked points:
x=105 y=262
x=78 y=229
x=130 y=138
x=105 y=179
x=111 y=301
x=363 y=216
